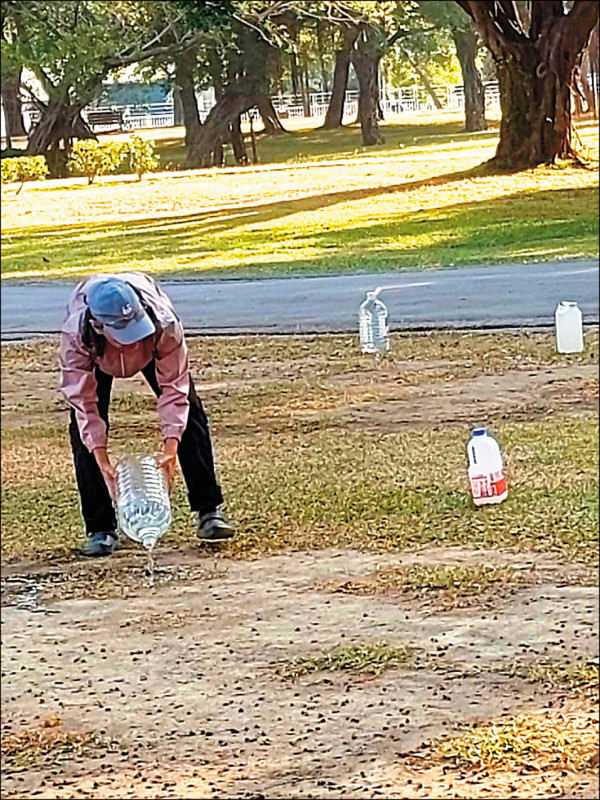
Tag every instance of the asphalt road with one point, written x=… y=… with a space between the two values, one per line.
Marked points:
x=468 y=297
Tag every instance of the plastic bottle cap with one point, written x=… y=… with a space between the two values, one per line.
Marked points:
x=479 y=431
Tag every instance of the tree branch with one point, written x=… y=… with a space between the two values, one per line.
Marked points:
x=495 y=24
x=393 y=39
x=582 y=17
x=542 y=15
x=166 y=50
x=565 y=39
x=40 y=105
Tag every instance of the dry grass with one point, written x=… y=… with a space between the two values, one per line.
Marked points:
x=444 y=586
x=47 y=745
x=554 y=740
x=371 y=659
x=578 y=678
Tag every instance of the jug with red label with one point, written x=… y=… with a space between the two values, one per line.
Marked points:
x=486 y=469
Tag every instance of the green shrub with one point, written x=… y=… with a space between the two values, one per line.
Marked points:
x=9 y=173
x=141 y=155
x=90 y=158
x=25 y=168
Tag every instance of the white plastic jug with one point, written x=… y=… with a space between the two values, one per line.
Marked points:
x=372 y=324
x=569 y=328
x=486 y=470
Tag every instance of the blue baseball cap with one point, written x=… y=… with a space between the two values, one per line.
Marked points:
x=115 y=304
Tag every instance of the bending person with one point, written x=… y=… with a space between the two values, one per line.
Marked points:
x=115 y=327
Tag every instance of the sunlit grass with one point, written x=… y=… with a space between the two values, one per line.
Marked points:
x=420 y=200
x=541 y=742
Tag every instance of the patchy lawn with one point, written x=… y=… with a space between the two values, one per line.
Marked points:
x=367 y=460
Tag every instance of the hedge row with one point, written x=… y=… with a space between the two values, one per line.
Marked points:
x=88 y=158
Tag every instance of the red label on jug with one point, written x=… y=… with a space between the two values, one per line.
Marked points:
x=492 y=485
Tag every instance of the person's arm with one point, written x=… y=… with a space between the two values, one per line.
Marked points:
x=173 y=405
x=80 y=389
x=109 y=473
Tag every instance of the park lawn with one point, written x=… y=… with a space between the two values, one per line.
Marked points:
x=317 y=202
x=319 y=446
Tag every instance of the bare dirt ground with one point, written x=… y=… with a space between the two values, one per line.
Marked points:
x=179 y=680
x=183 y=675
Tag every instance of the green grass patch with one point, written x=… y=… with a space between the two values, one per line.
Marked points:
x=578 y=677
x=371 y=659
x=304 y=144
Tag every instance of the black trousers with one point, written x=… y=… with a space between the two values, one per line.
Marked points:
x=194 y=453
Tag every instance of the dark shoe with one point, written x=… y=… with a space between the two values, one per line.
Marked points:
x=100 y=544
x=213 y=527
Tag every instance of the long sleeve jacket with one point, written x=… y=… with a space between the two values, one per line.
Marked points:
x=166 y=346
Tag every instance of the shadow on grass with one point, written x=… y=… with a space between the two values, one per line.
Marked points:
x=548 y=223
x=316 y=143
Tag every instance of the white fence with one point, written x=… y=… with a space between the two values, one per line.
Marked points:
x=400 y=101
x=409 y=99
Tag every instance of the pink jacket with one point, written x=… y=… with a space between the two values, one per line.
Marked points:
x=166 y=346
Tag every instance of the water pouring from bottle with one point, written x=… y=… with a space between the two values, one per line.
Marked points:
x=143 y=504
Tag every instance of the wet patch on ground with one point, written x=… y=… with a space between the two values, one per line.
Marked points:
x=127 y=574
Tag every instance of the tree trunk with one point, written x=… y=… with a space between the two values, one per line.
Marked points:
x=217 y=129
x=294 y=75
x=536 y=117
x=177 y=107
x=324 y=81
x=249 y=86
x=366 y=66
x=185 y=65
x=424 y=80
x=335 y=111
x=465 y=42
x=535 y=68
x=586 y=90
x=11 y=100
x=215 y=68
x=268 y=114
x=305 y=91
x=237 y=142
x=52 y=136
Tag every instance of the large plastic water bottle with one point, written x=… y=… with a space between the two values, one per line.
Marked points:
x=486 y=470
x=569 y=328
x=143 y=505
x=372 y=324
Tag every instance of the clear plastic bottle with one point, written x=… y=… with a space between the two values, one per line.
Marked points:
x=486 y=470
x=569 y=328
x=143 y=505
x=372 y=324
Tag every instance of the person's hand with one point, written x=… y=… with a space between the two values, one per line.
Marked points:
x=109 y=473
x=168 y=461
